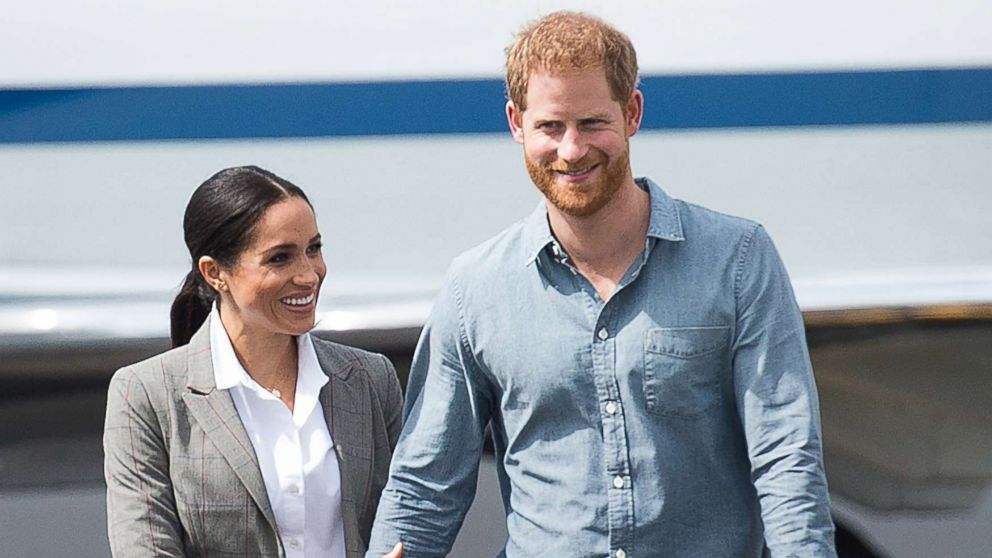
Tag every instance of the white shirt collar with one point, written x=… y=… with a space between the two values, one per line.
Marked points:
x=229 y=373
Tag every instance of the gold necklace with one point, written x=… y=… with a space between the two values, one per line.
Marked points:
x=273 y=390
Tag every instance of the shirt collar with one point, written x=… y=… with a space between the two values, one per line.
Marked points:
x=229 y=373
x=664 y=223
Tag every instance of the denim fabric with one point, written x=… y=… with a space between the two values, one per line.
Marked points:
x=679 y=418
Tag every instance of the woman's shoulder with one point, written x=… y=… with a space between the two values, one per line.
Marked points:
x=339 y=355
x=344 y=361
x=354 y=364
x=164 y=372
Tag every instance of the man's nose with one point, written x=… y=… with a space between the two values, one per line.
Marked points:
x=573 y=146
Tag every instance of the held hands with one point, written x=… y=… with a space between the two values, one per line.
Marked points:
x=396 y=552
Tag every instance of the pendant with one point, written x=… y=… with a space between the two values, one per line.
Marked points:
x=277 y=393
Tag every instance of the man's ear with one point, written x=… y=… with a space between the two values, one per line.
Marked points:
x=635 y=111
x=515 y=118
x=211 y=272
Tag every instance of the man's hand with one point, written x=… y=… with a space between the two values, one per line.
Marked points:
x=396 y=552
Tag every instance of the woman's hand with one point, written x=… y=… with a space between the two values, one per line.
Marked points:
x=396 y=552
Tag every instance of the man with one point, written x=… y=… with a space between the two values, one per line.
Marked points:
x=641 y=360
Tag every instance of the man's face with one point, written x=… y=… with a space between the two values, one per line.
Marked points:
x=575 y=139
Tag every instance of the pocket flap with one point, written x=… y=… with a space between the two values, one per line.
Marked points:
x=686 y=342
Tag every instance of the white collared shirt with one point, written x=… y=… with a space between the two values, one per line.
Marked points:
x=295 y=451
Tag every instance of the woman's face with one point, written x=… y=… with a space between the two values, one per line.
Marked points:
x=274 y=285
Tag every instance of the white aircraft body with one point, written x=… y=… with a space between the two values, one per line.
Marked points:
x=859 y=134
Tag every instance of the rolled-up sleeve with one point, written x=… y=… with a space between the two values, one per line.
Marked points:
x=778 y=405
x=433 y=475
x=141 y=509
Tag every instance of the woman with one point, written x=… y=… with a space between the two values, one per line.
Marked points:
x=250 y=437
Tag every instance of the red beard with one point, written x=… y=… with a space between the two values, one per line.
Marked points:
x=585 y=198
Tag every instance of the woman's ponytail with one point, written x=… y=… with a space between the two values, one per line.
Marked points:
x=190 y=308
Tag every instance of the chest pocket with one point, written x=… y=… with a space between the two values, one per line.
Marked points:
x=683 y=367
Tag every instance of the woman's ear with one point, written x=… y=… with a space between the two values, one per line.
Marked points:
x=211 y=272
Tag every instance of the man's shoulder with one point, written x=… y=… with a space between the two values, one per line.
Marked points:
x=698 y=219
x=505 y=249
x=676 y=219
x=721 y=236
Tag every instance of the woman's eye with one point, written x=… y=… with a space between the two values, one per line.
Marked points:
x=278 y=259
x=314 y=249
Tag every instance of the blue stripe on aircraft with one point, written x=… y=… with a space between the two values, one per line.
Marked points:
x=476 y=106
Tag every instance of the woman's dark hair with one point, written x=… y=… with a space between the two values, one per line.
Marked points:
x=219 y=222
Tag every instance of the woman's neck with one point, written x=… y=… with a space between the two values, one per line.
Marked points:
x=269 y=358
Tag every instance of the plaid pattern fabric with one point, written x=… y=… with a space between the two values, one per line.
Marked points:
x=182 y=476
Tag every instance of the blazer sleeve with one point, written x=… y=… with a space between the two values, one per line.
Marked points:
x=393 y=403
x=141 y=509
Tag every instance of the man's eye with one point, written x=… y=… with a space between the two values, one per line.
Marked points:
x=315 y=248
x=548 y=126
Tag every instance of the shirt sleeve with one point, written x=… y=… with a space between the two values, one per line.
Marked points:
x=778 y=406
x=141 y=512
x=433 y=475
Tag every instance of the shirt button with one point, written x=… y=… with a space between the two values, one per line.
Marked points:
x=294 y=489
x=620 y=553
x=618 y=482
x=294 y=543
x=611 y=408
x=603 y=334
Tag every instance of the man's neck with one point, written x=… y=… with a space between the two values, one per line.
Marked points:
x=602 y=246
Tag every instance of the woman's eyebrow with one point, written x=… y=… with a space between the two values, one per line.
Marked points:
x=289 y=245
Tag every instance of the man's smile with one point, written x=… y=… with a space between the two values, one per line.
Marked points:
x=575 y=175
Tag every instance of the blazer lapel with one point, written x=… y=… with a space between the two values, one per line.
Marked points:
x=345 y=402
x=214 y=411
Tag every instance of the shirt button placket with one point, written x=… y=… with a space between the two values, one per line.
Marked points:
x=614 y=435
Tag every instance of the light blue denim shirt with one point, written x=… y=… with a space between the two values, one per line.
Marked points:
x=679 y=418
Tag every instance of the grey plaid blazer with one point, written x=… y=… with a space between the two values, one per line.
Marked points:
x=182 y=476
